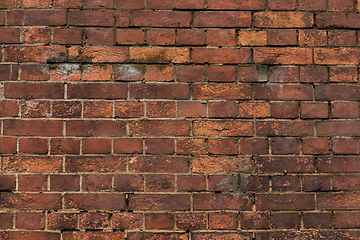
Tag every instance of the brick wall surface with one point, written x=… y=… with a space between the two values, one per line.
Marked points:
x=179 y=119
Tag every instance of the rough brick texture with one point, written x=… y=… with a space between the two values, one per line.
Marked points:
x=179 y=119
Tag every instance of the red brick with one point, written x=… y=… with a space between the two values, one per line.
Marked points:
x=19 y=127
x=160 y=183
x=63 y=221
x=126 y=183
x=223 y=109
x=30 y=201
x=158 y=235
x=29 y=235
x=99 y=18
x=93 y=128
x=33 y=145
x=6 y=220
x=36 y=35
x=337 y=92
x=343 y=74
x=285 y=183
x=159 y=146
x=284 y=110
x=282 y=5
x=342 y=38
x=222 y=91
x=190 y=146
x=346 y=146
x=96 y=182
x=68 y=3
x=331 y=56
x=283 y=20
x=11 y=4
x=223 y=201
x=189 y=4
x=127 y=220
x=253 y=110
x=7 y=145
x=128 y=72
x=222 y=128
x=64 y=146
x=36 y=17
x=341 y=235
x=223 y=146
x=342 y=6
x=219 y=235
x=159 y=73
x=346 y=182
x=315 y=110
x=317 y=220
x=158 y=4
x=95 y=164
x=222 y=73
x=159 y=91
x=89 y=201
x=64 y=182
x=254 y=220
x=222 y=19
x=312 y=38
x=94 y=54
x=153 y=202
x=35 y=109
x=223 y=220
x=283 y=55
x=284 y=74
x=98 y=4
x=159 y=128
x=221 y=164
x=94 y=220
x=254 y=146
x=8 y=108
x=96 y=146
x=67 y=235
x=97 y=90
x=238 y=183
x=31 y=221
x=190 y=36
x=159 y=54
x=159 y=164
x=347 y=220
x=347 y=128
x=159 y=221
x=252 y=38
x=253 y=74
x=191 y=109
x=316 y=146
x=31 y=164
x=32 y=182
x=191 y=221
x=250 y=4
x=8 y=182
x=221 y=37
x=8 y=72
x=97 y=73
x=129 y=109
x=98 y=109
x=35 y=72
x=34 y=90
x=335 y=201
x=66 y=72
x=345 y=109
x=122 y=145
x=282 y=37
x=284 y=164
x=222 y=4
x=221 y=55
x=130 y=4
x=285 y=201
x=129 y=36
x=10 y=35
x=285 y=146
x=285 y=220
x=316 y=74
x=309 y=5
x=191 y=183
x=316 y=183
x=99 y=36
x=160 y=36
x=284 y=128
x=161 y=19
x=338 y=164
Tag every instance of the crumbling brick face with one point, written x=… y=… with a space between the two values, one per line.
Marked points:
x=179 y=119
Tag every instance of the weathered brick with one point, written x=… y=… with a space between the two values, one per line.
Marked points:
x=329 y=56
x=335 y=201
x=191 y=221
x=30 y=201
x=284 y=164
x=283 y=20
x=282 y=37
x=31 y=164
x=64 y=221
x=316 y=146
x=285 y=146
x=338 y=164
x=190 y=146
x=283 y=56
x=98 y=4
x=160 y=36
x=97 y=91
x=284 y=74
x=159 y=54
x=285 y=220
x=343 y=74
x=35 y=109
x=312 y=38
x=32 y=182
x=160 y=164
x=282 y=5
x=317 y=220
x=223 y=201
x=253 y=110
x=223 y=220
x=337 y=92
x=309 y=5
x=285 y=202
x=37 y=17
x=223 y=109
x=221 y=55
x=301 y=235
x=98 y=109
x=160 y=183
x=222 y=128
x=19 y=127
x=99 y=18
x=222 y=91
x=152 y=127
x=91 y=201
x=221 y=164
x=161 y=19
x=222 y=73
x=254 y=220
x=222 y=19
x=252 y=38
x=190 y=37
x=173 y=202
x=98 y=54
x=160 y=109
x=68 y=235
x=95 y=164
x=250 y=5
x=347 y=219
x=94 y=220
x=126 y=183
x=127 y=221
x=96 y=182
x=284 y=128
x=129 y=36
x=64 y=146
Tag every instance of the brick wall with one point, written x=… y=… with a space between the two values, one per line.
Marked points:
x=179 y=119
